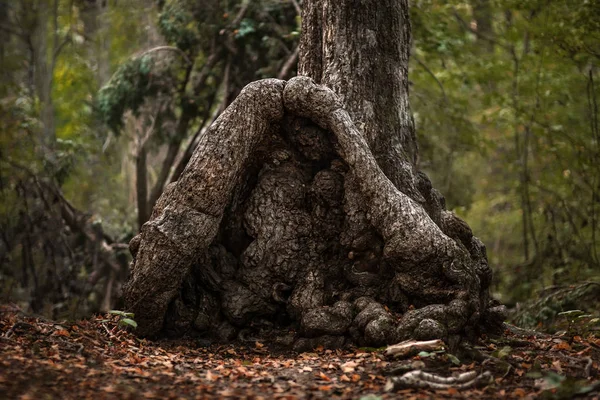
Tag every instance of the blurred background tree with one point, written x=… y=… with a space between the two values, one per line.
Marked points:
x=103 y=101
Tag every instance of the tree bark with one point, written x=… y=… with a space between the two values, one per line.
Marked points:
x=302 y=207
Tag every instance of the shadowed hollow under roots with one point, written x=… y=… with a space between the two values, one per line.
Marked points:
x=283 y=219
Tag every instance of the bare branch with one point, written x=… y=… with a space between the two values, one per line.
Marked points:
x=168 y=48
x=476 y=32
x=297 y=7
x=289 y=64
x=240 y=15
x=433 y=76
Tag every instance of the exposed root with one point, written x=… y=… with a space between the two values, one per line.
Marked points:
x=411 y=347
x=425 y=380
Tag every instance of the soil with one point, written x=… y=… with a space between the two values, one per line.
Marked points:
x=102 y=359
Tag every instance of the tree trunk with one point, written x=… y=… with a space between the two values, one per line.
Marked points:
x=302 y=208
x=42 y=47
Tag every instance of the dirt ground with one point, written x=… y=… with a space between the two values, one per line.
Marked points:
x=99 y=359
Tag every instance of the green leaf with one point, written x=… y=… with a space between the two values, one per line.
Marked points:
x=129 y=322
x=585 y=316
x=246 y=28
x=553 y=379
x=371 y=397
x=122 y=313
x=571 y=313
x=453 y=359
x=503 y=352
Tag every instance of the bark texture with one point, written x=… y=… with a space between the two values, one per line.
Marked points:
x=302 y=207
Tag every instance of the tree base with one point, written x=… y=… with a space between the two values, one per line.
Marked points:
x=284 y=219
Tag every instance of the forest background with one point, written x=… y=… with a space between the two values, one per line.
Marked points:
x=102 y=102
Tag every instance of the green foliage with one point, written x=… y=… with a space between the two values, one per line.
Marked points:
x=554 y=309
x=178 y=25
x=246 y=28
x=515 y=149
x=126 y=90
x=578 y=323
x=125 y=318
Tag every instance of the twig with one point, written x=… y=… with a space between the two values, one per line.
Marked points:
x=168 y=48
x=18 y=325
x=434 y=77
x=289 y=64
x=588 y=367
x=297 y=7
x=240 y=14
x=476 y=32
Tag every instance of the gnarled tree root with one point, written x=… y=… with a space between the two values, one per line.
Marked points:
x=440 y=264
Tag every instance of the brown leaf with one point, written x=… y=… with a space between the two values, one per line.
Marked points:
x=211 y=377
x=562 y=346
x=348 y=366
x=557 y=366
x=323 y=376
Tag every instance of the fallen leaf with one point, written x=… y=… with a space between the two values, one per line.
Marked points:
x=62 y=332
x=348 y=366
x=562 y=346
x=557 y=366
x=323 y=377
x=211 y=377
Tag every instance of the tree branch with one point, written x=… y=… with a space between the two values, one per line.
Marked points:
x=476 y=32
x=240 y=15
x=289 y=64
x=433 y=76
x=297 y=7
x=168 y=48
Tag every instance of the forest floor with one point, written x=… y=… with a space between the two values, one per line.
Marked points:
x=98 y=359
